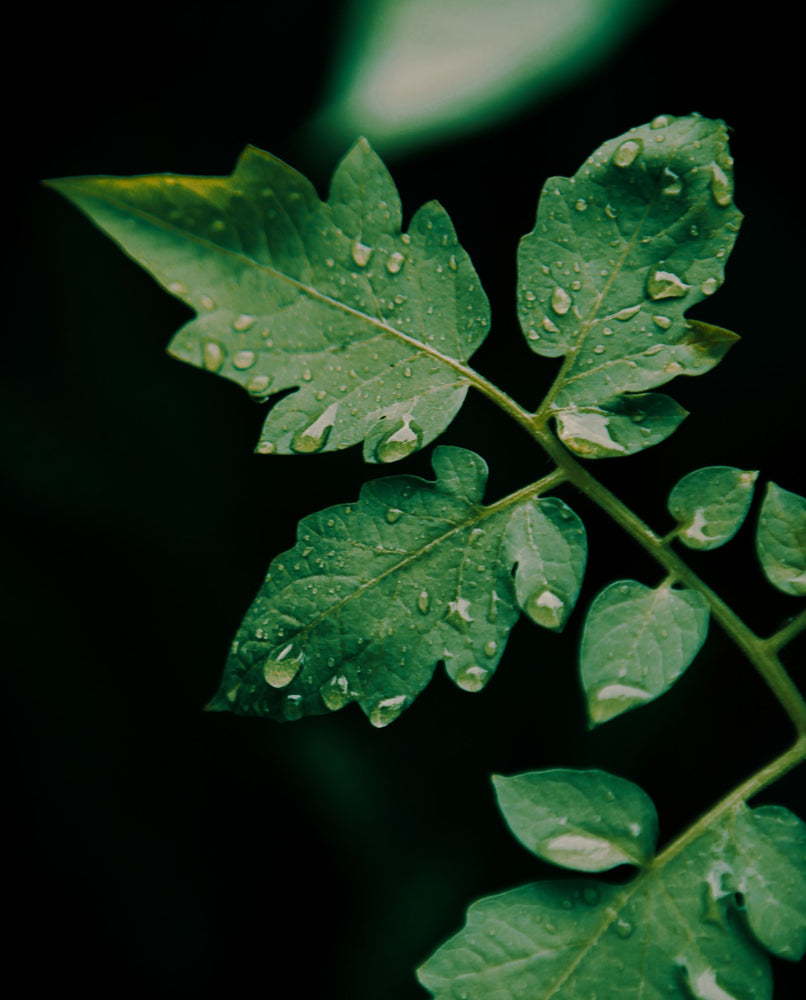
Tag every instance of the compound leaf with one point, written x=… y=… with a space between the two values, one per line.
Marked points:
x=365 y=322
x=710 y=505
x=781 y=540
x=619 y=252
x=586 y=820
x=678 y=931
x=375 y=593
x=636 y=643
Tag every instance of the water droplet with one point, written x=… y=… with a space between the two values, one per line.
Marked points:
x=624 y=928
x=490 y=647
x=335 y=692
x=258 y=385
x=599 y=349
x=610 y=212
x=243 y=322
x=721 y=186
x=548 y=326
x=545 y=608
x=405 y=437
x=590 y=896
x=387 y=710
x=627 y=152
x=206 y=302
x=394 y=262
x=672 y=184
x=472 y=678
x=624 y=314
x=314 y=437
x=581 y=205
x=393 y=514
x=306 y=375
x=709 y=286
x=177 y=288
x=282 y=666
x=243 y=359
x=662 y=321
x=665 y=285
x=423 y=601
x=293 y=707
x=213 y=355
x=459 y=614
x=560 y=301
x=361 y=253
x=661 y=121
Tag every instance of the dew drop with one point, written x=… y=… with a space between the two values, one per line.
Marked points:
x=627 y=152
x=581 y=205
x=177 y=288
x=548 y=326
x=405 y=437
x=243 y=322
x=490 y=647
x=709 y=286
x=243 y=359
x=361 y=253
x=662 y=321
x=265 y=448
x=672 y=184
x=545 y=608
x=661 y=121
x=599 y=349
x=624 y=928
x=258 y=385
x=213 y=356
x=610 y=212
x=560 y=301
x=721 y=186
x=292 y=708
x=665 y=285
x=206 y=302
x=335 y=692
x=423 y=601
x=394 y=262
x=590 y=896
x=472 y=678
x=282 y=665
x=459 y=614
x=314 y=437
x=387 y=710
x=624 y=314
x=393 y=514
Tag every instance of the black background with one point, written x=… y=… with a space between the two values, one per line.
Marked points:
x=161 y=850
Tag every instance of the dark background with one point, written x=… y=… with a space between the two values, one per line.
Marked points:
x=161 y=850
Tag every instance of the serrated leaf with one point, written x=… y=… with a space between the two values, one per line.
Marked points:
x=710 y=505
x=619 y=253
x=586 y=820
x=620 y=425
x=678 y=931
x=781 y=539
x=636 y=643
x=331 y=299
x=547 y=543
x=375 y=593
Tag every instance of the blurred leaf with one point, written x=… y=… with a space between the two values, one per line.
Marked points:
x=781 y=539
x=618 y=254
x=636 y=643
x=677 y=931
x=586 y=820
x=411 y=70
x=375 y=593
x=710 y=505
x=328 y=298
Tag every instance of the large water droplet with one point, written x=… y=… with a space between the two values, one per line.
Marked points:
x=665 y=285
x=661 y=121
x=627 y=152
x=560 y=301
x=545 y=608
x=393 y=514
x=404 y=438
x=672 y=184
x=361 y=253
x=459 y=614
x=243 y=359
x=314 y=437
x=243 y=322
x=387 y=710
x=472 y=678
x=721 y=186
x=282 y=666
x=709 y=286
x=335 y=692
x=394 y=262
x=213 y=355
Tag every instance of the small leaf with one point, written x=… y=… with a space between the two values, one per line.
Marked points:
x=771 y=875
x=781 y=540
x=710 y=505
x=586 y=820
x=677 y=931
x=621 y=425
x=366 y=323
x=547 y=542
x=375 y=593
x=636 y=643
x=619 y=253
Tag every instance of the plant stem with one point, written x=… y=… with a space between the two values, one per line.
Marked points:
x=790 y=631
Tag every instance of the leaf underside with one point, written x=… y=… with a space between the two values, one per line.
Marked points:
x=375 y=593
x=330 y=299
x=693 y=925
x=619 y=253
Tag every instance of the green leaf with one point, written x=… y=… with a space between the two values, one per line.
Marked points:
x=620 y=425
x=375 y=593
x=781 y=540
x=636 y=643
x=368 y=324
x=619 y=253
x=677 y=931
x=710 y=505
x=547 y=543
x=586 y=820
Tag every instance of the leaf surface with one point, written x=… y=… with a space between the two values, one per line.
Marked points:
x=586 y=820
x=636 y=643
x=375 y=593
x=710 y=505
x=619 y=253
x=679 y=929
x=369 y=325
x=781 y=540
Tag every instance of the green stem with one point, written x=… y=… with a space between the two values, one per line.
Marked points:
x=785 y=635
